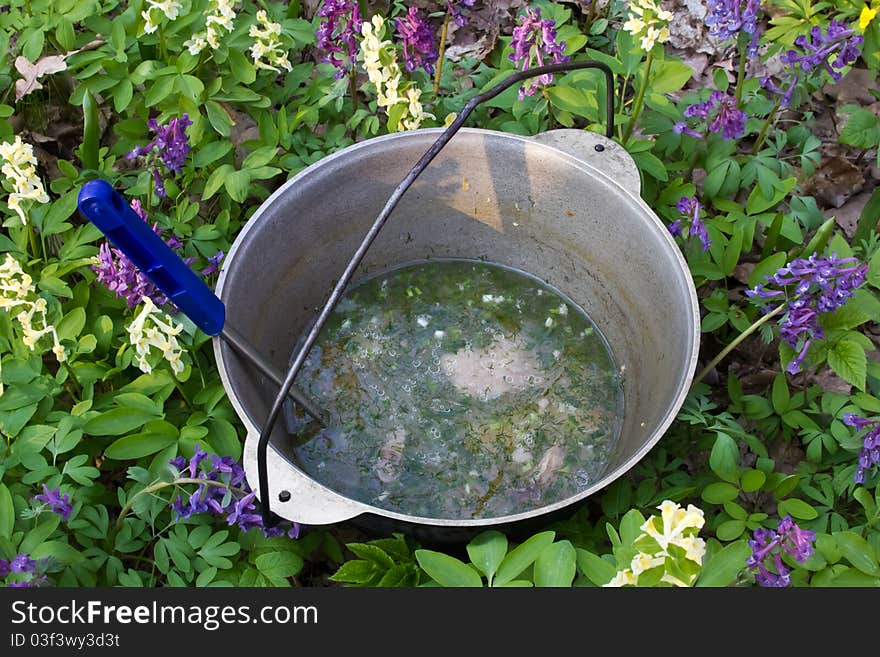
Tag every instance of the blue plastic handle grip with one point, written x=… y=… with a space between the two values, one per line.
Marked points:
x=108 y=210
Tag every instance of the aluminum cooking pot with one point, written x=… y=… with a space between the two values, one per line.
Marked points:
x=563 y=206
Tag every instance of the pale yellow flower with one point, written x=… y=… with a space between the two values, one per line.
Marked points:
x=622 y=578
x=150 y=328
x=20 y=169
x=648 y=22
x=642 y=562
x=17 y=291
x=267 y=50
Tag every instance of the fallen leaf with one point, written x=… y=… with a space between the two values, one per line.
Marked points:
x=32 y=71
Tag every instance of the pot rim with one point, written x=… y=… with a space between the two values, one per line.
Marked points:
x=359 y=508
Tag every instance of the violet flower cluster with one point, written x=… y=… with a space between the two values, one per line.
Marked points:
x=337 y=34
x=768 y=546
x=869 y=455
x=689 y=207
x=811 y=286
x=720 y=113
x=728 y=18
x=32 y=570
x=232 y=500
x=170 y=146
x=123 y=278
x=456 y=12
x=831 y=50
x=56 y=502
x=418 y=41
x=535 y=39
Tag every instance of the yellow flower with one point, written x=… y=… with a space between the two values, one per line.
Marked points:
x=170 y=8
x=623 y=578
x=867 y=15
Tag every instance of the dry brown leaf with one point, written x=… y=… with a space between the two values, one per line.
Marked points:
x=32 y=71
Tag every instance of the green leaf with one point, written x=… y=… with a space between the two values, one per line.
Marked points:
x=237 y=185
x=219 y=118
x=70 y=326
x=730 y=530
x=486 y=551
x=669 y=76
x=523 y=556
x=780 y=396
x=758 y=203
x=722 y=568
x=724 y=458
x=556 y=566
x=117 y=421
x=7 y=513
x=858 y=552
x=862 y=128
x=372 y=553
x=796 y=509
x=138 y=445
x=211 y=152
x=159 y=90
x=720 y=492
x=55 y=220
x=216 y=179
x=848 y=360
x=278 y=566
x=752 y=480
x=597 y=570
x=868 y=219
x=446 y=570
x=357 y=572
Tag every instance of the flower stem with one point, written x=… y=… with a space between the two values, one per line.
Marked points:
x=737 y=341
x=440 y=53
x=640 y=100
x=740 y=78
x=763 y=134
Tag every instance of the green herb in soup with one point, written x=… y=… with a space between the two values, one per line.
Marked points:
x=458 y=389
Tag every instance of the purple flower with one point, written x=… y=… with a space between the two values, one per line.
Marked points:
x=170 y=146
x=419 y=43
x=455 y=10
x=337 y=34
x=213 y=264
x=727 y=18
x=232 y=500
x=832 y=50
x=57 y=503
x=122 y=277
x=768 y=545
x=690 y=208
x=681 y=128
x=22 y=563
x=869 y=455
x=535 y=39
x=721 y=113
x=813 y=286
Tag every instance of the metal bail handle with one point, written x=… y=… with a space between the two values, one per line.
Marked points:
x=269 y=518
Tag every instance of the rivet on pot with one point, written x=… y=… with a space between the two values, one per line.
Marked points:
x=599 y=148
x=284 y=496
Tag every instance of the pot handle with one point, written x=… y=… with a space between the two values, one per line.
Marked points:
x=108 y=210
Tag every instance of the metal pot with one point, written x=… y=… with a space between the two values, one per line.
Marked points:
x=563 y=206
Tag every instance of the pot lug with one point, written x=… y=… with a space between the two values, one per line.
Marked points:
x=599 y=152
x=307 y=502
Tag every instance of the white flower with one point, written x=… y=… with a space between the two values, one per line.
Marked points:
x=170 y=9
x=153 y=328
x=20 y=169
x=622 y=578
